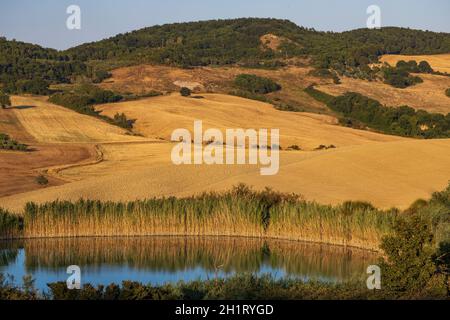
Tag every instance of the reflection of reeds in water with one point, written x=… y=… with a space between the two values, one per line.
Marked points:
x=210 y=253
x=9 y=250
x=236 y=213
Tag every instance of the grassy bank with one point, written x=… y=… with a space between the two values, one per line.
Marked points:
x=239 y=212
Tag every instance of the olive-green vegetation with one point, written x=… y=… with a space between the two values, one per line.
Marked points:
x=5 y=100
x=30 y=68
x=6 y=143
x=219 y=42
x=215 y=42
x=41 y=180
x=83 y=98
x=358 y=111
x=447 y=92
x=399 y=77
x=185 y=92
x=256 y=84
x=11 y=225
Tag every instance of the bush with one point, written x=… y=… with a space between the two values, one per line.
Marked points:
x=399 y=78
x=101 y=75
x=6 y=143
x=447 y=92
x=357 y=109
x=5 y=101
x=255 y=84
x=424 y=67
x=185 y=92
x=83 y=99
x=41 y=180
x=409 y=266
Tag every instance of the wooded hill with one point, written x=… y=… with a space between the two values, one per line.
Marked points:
x=215 y=42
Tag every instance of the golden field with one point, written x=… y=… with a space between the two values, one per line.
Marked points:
x=385 y=170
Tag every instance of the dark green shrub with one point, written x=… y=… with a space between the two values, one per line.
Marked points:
x=7 y=143
x=409 y=266
x=255 y=84
x=185 y=92
x=5 y=101
x=41 y=180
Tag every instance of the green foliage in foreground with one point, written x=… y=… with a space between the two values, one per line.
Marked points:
x=416 y=265
x=240 y=287
x=256 y=84
x=403 y=121
x=6 y=143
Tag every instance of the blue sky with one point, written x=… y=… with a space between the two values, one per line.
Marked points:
x=44 y=21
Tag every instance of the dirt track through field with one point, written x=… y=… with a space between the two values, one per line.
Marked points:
x=387 y=171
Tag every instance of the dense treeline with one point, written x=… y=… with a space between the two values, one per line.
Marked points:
x=83 y=98
x=359 y=111
x=256 y=84
x=21 y=63
x=221 y=42
x=216 y=42
x=6 y=143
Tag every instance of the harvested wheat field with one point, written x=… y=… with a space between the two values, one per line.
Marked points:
x=386 y=170
x=50 y=123
x=158 y=117
x=58 y=138
x=384 y=173
x=439 y=62
x=429 y=95
x=18 y=170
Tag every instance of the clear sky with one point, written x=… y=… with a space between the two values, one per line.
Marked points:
x=44 y=21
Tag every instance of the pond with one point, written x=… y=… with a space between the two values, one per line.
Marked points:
x=160 y=260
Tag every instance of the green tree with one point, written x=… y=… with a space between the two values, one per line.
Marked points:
x=424 y=67
x=5 y=101
x=410 y=264
x=185 y=92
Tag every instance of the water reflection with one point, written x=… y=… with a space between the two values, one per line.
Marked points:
x=170 y=259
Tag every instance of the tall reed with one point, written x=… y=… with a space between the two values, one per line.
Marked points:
x=11 y=225
x=239 y=212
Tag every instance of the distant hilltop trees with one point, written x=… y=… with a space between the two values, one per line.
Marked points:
x=215 y=42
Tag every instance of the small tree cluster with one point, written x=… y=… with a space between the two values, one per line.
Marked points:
x=256 y=84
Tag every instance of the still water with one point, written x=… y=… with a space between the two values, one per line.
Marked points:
x=159 y=260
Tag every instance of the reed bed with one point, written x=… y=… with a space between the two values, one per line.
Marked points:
x=11 y=225
x=239 y=212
